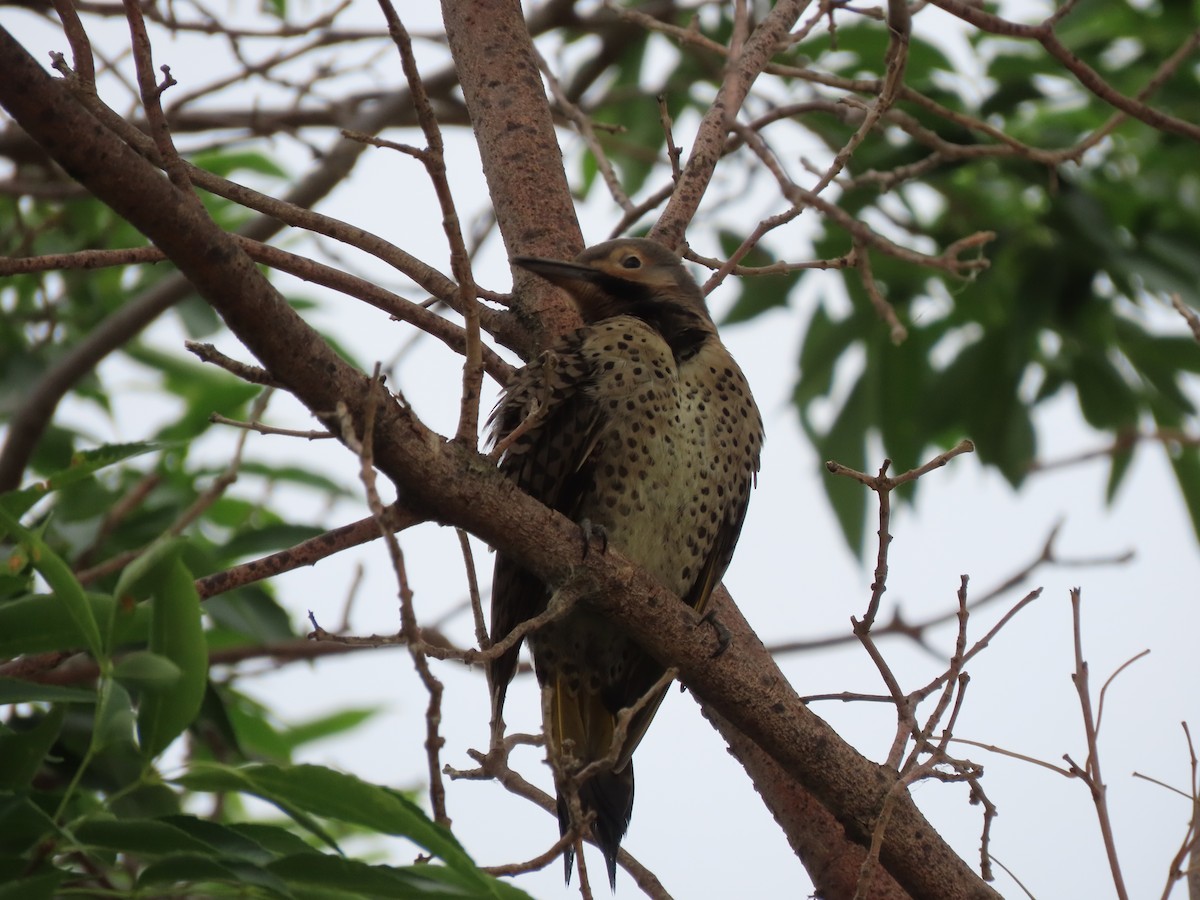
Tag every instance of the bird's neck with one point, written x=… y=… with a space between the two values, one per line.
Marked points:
x=683 y=330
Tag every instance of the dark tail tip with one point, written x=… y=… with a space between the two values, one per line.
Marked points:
x=610 y=797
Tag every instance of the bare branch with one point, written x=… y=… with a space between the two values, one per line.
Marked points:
x=710 y=139
x=1090 y=771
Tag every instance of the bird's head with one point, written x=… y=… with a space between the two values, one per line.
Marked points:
x=630 y=276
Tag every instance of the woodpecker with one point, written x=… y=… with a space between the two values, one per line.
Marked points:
x=641 y=427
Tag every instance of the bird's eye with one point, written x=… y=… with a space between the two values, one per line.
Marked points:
x=632 y=262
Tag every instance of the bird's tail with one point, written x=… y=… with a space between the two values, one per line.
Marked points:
x=582 y=730
x=610 y=796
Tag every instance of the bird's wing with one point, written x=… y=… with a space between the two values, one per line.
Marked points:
x=556 y=425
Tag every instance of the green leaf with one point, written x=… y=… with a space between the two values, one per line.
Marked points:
x=845 y=442
x=252 y=842
x=226 y=162
x=1187 y=472
x=146 y=671
x=84 y=464
x=139 y=578
x=33 y=887
x=1105 y=398
x=360 y=879
x=260 y=541
x=176 y=633
x=1116 y=473
x=14 y=690
x=42 y=623
x=203 y=390
x=62 y=581
x=326 y=726
x=757 y=293
x=252 y=614
x=114 y=718
x=24 y=751
x=195 y=868
x=144 y=837
x=825 y=343
x=298 y=476
x=334 y=795
x=24 y=824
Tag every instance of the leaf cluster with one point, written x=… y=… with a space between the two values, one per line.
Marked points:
x=84 y=805
x=1090 y=243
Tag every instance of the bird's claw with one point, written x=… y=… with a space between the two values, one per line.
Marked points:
x=724 y=637
x=589 y=530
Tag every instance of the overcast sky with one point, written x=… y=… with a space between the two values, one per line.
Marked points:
x=697 y=822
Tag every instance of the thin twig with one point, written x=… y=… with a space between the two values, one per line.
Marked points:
x=197 y=508
x=895 y=60
x=434 y=160
x=409 y=629
x=896 y=331
x=260 y=428
x=583 y=124
x=306 y=553
x=152 y=102
x=1189 y=315
x=210 y=354
x=1090 y=771
x=710 y=137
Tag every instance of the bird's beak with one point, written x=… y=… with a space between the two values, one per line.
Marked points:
x=567 y=275
x=587 y=286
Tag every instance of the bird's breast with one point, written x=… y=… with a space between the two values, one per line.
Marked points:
x=676 y=451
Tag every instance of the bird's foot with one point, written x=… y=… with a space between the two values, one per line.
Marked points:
x=590 y=531
x=724 y=638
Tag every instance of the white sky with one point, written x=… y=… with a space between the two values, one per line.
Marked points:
x=697 y=822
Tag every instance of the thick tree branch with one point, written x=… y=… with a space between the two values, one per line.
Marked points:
x=832 y=859
x=497 y=69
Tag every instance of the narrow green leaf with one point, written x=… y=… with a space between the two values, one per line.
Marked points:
x=253 y=842
x=42 y=623
x=845 y=442
x=14 y=690
x=298 y=476
x=333 y=795
x=33 y=887
x=177 y=633
x=146 y=671
x=24 y=751
x=364 y=880
x=84 y=464
x=251 y=612
x=1105 y=398
x=326 y=726
x=226 y=162
x=133 y=579
x=114 y=718
x=758 y=293
x=218 y=778
x=145 y=837
x=272 y=838
x=1116 y=473
x=825 y=343
x=195 y=868
x=261 y=541
x=1187 y=471
x=61 y=580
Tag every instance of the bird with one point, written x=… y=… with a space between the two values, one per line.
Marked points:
x=640 y=427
